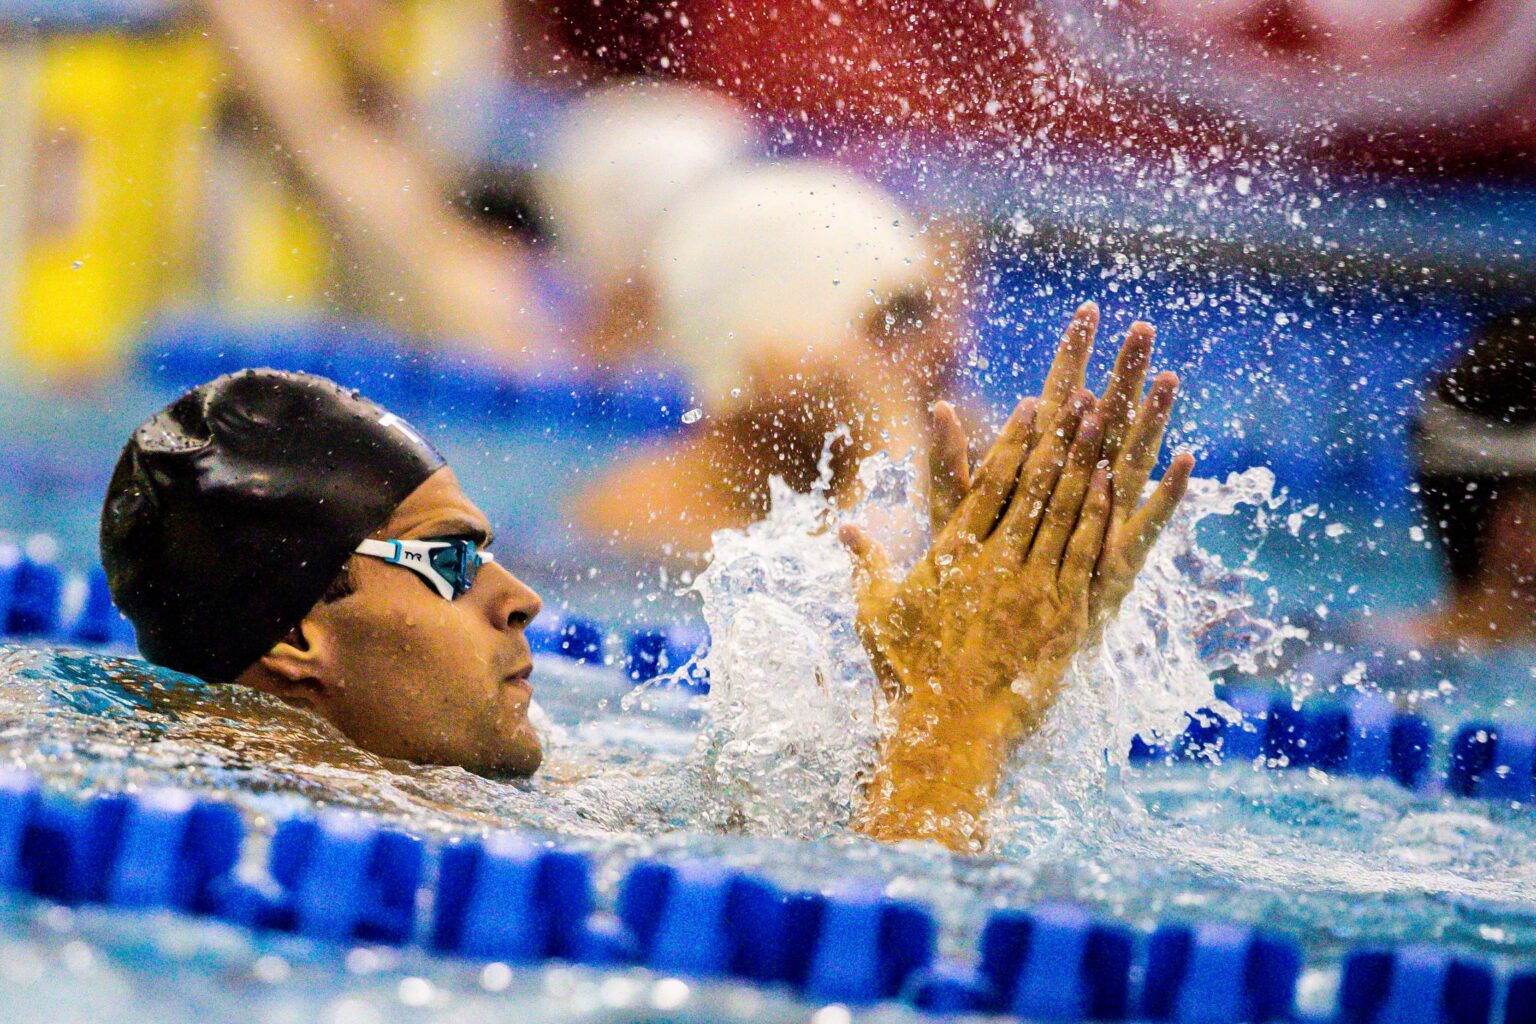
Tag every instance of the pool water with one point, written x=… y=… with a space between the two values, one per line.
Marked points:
x=763 y=774
x=1333 y=861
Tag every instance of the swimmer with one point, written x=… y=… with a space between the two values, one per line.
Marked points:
x=1473 y=446
x=1474 y=449
x=804 y=304
x=622 y=154
x=279 y=532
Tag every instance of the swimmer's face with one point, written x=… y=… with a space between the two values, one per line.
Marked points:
x=407 y=674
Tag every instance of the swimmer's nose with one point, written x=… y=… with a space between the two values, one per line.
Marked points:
x=515 y=603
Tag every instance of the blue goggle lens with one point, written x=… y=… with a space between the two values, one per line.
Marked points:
x=458 y=563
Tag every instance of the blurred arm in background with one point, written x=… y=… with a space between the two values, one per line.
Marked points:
x=458 y=283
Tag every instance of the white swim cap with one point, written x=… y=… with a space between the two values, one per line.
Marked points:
x=789 y=255
x=623 y=154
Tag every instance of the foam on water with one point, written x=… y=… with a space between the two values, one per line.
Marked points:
x=792 y=717
x=1189 y=617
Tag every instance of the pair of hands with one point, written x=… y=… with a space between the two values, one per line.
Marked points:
x=1031 y=555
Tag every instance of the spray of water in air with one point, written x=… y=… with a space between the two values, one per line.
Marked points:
x=793 y=719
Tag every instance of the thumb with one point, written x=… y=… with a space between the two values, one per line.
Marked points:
x=874 y=580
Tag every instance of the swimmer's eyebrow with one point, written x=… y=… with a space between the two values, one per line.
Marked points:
x=457 y=527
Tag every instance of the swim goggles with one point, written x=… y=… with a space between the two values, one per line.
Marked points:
x=448 y=566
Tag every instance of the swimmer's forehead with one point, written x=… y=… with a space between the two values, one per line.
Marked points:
x=438 y=508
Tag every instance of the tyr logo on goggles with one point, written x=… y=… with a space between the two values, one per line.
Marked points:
x=448 y=566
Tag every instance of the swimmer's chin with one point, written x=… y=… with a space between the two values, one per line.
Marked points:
x=520 y=760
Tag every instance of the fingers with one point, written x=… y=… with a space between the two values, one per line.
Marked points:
x=1060 y=455
x=1088 y=535
x=1066 y=499
x=1122 y=394
x=1148 y=522
x=1069 y=370
x=874 y=586
x=874 y=578
x=994 y=481
x=1145 y=441
x=949 y=469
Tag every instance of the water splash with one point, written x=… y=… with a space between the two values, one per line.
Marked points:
x=793 y=719
x=1189 y=617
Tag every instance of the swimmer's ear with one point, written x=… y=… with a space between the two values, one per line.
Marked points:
x=296 y=670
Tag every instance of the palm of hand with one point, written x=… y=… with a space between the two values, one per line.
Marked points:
x=1002 y=595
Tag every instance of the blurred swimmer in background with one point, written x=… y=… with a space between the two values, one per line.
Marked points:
x=817 y=320
x=625 y=155
x=621 y=157
x=1473 y=441
x=801 y=301
x=1474 y=448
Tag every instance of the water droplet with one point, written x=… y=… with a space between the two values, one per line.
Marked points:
x=693 y=415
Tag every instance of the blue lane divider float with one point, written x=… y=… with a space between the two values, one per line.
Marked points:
x=1520 y=998
x=1055 y=963
x=338 y=878
x=1420 y=985
x=161 y=849
x=334 y=878
x=507 y=899
x=36 y=597
x=863 y=946
x=100 y=623
x=655 y=653
x=1494 y=761
x=649 y=654
x=1363 y=735
x=704 y=920
x=1207 y=973
x=184 y=352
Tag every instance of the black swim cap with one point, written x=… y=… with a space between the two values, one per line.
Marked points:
x=232 y=511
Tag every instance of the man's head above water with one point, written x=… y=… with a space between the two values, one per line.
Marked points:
x=230 y=534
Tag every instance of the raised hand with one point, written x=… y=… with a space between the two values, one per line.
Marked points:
x=1029 y=556
x=1133 y=435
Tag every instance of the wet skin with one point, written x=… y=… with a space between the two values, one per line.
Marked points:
x=406 y=674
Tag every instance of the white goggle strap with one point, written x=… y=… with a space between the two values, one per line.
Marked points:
x=414 y=555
